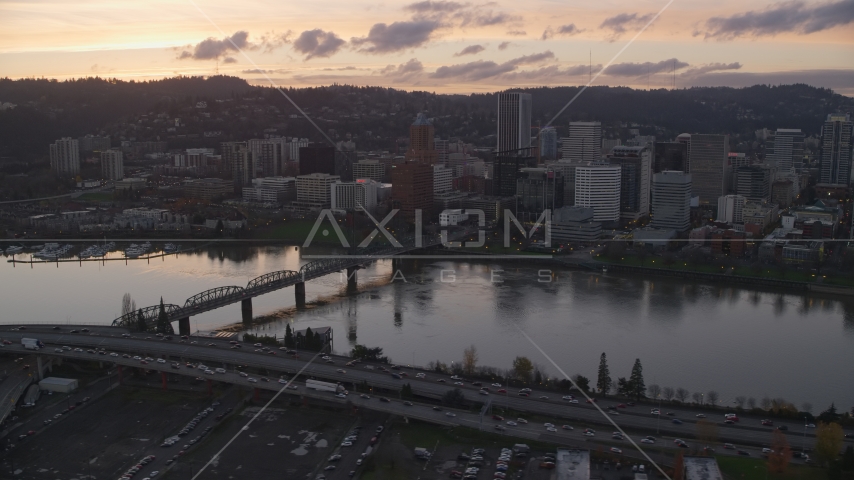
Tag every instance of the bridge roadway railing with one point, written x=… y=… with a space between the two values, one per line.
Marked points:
x=221 y=296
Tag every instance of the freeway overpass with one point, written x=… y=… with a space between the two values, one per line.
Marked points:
x=218 y=354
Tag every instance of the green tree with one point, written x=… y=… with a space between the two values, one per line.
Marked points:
x=622 y=386
x=637 y=387
x=470 y=359
x=830 y=415
x=307 y=339
x=374 y=354
x=848 y=459
x=141 y=324
x=289 y=336
x=454 y=398
x=406 y=391
x=219 y=228
x=582 y=382
x=603 y=383
x=828 y=442
x=163 y=324
x=522 y=369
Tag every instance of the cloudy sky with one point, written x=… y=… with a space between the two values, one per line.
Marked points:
x=436 y=45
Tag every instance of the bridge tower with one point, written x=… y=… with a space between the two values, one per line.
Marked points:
x=246 y=310
x=299 y=293
x=352 y=285
x=184 y=326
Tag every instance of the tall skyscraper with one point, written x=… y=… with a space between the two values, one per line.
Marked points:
x=836 y=149
x=730 y=208
x=671 y=200
x=584 y=143
x=238 y=163
x=635 y=173
x=785 y=150
x=65 y=156
x=514 y=122
x=112 y=165
x=685 y=139
x=269 y=156
x=670 y=156
x=598 y=187
x=710 y=173
x=422 y=147
x=754 y=182
x=506 y=169
x=412 y=189
x=548 y=143
x=317 y=158
x=539 y=189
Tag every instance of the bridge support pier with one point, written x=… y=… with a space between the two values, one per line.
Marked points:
x=299 y=293
x=39 y=366
x=184 y=326
x=210 y=388
x=165 y=380
x=352 y=285
x=120 y=374
x=257 y=395
x=246 y=309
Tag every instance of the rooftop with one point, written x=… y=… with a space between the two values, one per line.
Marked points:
x=701 y=468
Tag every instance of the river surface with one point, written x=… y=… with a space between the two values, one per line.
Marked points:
x=732 y=339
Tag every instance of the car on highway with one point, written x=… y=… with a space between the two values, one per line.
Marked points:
x=701 y=415
x=676 y=421
x=500 y=428
x=567 y=427
x=646 y=440
x=589 y=434
x=407 y=403
x=616 y=450
x=450 y=414
x=743 y=453
x=498 y=417
x=551 y=429
x=729 y=446
x=767 y=422
x=384 y=399
x=496 y=385
x=784 y=428
x=512 y=423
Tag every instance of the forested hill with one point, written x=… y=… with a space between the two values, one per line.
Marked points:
x=49 y=109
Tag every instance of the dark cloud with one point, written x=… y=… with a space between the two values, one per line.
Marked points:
x=517 y=33
x=550 y=74
x=486 y=19
x=398 y=36
x=570 y=29
x=271 y=41
x=229 y=60
x=470 y=50
x=629 y=69
x=481 y=69
x=711 y=67
x=503 y=45
x=793 y=16
x=262 y=71
x=211 y=48
x=317 y=43
x=429 y=6
x=342 y=69
x=403 y=72
x=619 y=24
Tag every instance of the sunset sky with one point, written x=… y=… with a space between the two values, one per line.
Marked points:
x=441 y=46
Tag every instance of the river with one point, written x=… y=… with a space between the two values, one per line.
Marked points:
x=735 y=340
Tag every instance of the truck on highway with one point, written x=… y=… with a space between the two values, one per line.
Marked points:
x=32 y=343
x=325 y=386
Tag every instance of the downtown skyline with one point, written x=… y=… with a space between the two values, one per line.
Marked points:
x=441 y=46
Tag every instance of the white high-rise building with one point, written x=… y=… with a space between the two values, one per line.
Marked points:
x=514 y=122
x=112 y=165
x=785 y=150
x=314 y=190
x=598 y=187
x=731 y=208
x=359 y=195
x=370 y=169
x=443 y=179
x=584 y=143
x=65 y=156
x=671 y=200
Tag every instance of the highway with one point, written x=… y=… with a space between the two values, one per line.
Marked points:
x=215 y=353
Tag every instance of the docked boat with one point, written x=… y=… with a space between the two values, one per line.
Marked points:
x=14 y=249
x=170 y=248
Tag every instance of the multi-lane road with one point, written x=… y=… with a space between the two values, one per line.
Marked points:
x=543 y=404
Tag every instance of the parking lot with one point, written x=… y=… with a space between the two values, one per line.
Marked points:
x=285 y=441
x=101 y=438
